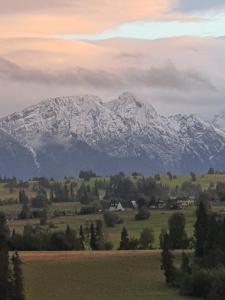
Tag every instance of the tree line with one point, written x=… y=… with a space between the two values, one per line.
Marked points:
x=202 y=274
x=11 y=277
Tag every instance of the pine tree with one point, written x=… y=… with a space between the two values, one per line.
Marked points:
x=93 y=240
x=185 y=264
x=66 y=193
x=18 y=289
x=23 y=199
x=177 y=235
x=100 y=240
x=43 y=217
x=4 y=263
x=51 y=196
x=167 y=261
x=82 y=237
x=201 y=230
x=124 y=242
x=96 y=191
x=72 y=194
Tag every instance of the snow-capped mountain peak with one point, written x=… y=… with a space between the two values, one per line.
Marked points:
x=70 y=133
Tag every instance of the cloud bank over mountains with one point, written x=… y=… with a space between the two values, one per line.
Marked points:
x=40 y=56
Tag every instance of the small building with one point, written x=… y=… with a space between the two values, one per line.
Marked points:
x=116 y=206
x=134 y=204
x=180 y=202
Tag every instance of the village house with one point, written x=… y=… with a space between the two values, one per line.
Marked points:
x=116 y=206
x=181 y=202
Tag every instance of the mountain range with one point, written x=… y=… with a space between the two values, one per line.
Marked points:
x=61 y=136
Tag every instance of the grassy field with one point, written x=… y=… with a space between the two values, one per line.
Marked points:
x=96 y=276
x=157 y=221
x=158 y=218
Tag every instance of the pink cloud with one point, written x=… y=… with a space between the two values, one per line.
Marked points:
x=48 y=17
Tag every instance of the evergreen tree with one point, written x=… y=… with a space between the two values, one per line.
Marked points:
x=201 y=230
x=66 y=196
x=82 y=194
x=100 y=239
x=96 y=191
x=43 y=217
x=82 y=237
x=72 y=194
x=193 y=176
x=18 y=289
x=4 y=267
x=25 y=212
x=93 y=240
x=71 y=238
x=124 y=242
x=146 y=238
x=51 y=195
x=177 y=235
x=167 y=261
x=185 y=264
x=23 y=199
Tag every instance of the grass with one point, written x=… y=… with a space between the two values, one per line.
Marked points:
x=157 y=221
x=121 y=276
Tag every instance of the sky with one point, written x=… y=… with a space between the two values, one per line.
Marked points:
x=167 y=52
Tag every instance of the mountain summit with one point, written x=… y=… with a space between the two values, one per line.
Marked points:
x=63 y=135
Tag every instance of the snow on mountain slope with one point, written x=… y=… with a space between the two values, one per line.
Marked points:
x=125 y=129
x=60 y=119
x=15 y=159
x=219 y=120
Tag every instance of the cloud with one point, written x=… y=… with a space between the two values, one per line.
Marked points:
x=196 y=5
x=168 y=77
x=177 y=75
x=50 y=17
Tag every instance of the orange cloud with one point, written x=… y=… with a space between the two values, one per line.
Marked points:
x=41 y=18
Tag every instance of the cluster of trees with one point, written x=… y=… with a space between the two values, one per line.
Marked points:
x=11 y=277
x=145 y=241
x=87 y=195
x=95 y=237
x=91 y=236
x=111 y=219
x=204 y=274
x=41 y=201
x=125 y=189
x=187 y=188
x=177 y=236
x=35 y=238
x=87 y=175
x=62 y=192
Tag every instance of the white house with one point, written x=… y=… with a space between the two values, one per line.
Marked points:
x=116 y=206
x=134 y=204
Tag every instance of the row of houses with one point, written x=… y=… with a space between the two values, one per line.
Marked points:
x=171 y=203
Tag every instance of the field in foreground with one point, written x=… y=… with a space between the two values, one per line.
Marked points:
x=129 y=275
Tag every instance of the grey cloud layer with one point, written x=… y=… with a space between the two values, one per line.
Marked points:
x=168 y=77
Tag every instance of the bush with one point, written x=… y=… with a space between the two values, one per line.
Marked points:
x=146 y=238
x=111 y=219
x=218 y=286
x=133 y=244
x=108 y=246
x=88 y=210
x=143 y=214
x=198 y=284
